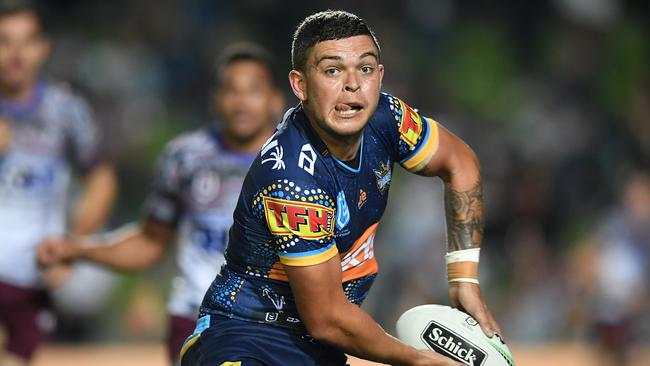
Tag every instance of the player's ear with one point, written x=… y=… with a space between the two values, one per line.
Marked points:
x=298 y=84
x=381 y=73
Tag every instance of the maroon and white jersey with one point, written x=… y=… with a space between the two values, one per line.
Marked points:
x=52 y=135
x=196 y=187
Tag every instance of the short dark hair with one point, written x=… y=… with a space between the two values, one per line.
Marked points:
x=326 y=26
x=246 y=51
x=13 y=7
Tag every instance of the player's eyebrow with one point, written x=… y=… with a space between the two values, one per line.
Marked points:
x=370 y=53
x=339 y=58
x=327 y=57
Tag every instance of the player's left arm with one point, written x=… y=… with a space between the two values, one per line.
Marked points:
x=457 y=165
x=426 y=148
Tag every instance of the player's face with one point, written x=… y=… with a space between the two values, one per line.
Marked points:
x=341 y=84
x=248 y=100
x=22 y=51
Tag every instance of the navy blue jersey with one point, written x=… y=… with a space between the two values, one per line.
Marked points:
x=301 y=206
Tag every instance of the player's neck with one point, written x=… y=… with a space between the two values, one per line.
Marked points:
x=344 y=148
x=247 y=146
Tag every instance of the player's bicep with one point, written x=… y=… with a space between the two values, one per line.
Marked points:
x=452 y=155
x=317 y=290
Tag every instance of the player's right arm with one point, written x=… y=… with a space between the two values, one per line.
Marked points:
x=128 y=249
x=332 y=319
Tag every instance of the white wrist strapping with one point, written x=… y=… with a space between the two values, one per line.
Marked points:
x=462 y=265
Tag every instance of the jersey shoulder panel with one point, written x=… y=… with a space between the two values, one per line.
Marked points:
x=412 y=138
x=180 y=152
x=83 y=134
x=60 y=92
x=62 y=98
x=188 y=143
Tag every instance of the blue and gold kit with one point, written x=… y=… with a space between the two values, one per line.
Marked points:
x=300 y=206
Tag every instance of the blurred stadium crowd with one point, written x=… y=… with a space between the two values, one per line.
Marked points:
x=553 y=96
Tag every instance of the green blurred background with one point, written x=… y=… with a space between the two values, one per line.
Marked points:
x=554 y=96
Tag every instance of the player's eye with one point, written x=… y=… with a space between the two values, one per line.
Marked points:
x=331 y=71
x=366 y=69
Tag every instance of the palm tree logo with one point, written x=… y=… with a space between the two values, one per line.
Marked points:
x=276 y=155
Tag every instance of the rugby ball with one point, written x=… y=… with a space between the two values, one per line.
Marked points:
x=452 y=333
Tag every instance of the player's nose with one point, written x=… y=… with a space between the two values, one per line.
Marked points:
x=352 y=83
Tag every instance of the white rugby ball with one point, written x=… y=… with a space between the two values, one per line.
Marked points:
x=452 y=333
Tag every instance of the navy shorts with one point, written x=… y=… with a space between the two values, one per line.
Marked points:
x=220 y=341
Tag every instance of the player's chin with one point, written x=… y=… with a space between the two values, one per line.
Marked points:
x=347 y=125
x=246 y=133
x=13 y=82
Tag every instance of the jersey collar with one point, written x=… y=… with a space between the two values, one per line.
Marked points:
x=315 y=140
x=217 y=138
x=304 y=125
x=17 y=109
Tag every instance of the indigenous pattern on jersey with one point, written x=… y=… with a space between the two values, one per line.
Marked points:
x=195 y=190
x=51 y=134
x=300 y=206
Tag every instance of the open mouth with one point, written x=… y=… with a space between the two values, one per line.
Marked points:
x=347 y=109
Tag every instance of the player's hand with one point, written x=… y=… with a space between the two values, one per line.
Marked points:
x=429 y=358
x=55 y=251
x=468 y=297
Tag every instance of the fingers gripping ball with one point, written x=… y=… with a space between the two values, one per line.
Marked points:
x=452 y=333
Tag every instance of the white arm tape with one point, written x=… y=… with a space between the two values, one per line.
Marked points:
x=466 y=255
x=470 y=280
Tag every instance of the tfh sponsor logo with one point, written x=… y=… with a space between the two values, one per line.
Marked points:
x=306 y=220
x=410 y=125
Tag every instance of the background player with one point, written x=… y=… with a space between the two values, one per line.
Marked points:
x=46 y=132
x=196 y=186
x=300 y=257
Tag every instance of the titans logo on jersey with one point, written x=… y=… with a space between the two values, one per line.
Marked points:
x=300 y=206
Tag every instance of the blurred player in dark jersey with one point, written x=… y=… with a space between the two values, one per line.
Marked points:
x=196 y=186
x=46 y=134
x=300 y=257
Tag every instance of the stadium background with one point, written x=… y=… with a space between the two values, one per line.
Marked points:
x=554 y=96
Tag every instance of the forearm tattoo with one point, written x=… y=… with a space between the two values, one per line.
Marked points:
x=464 y=213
